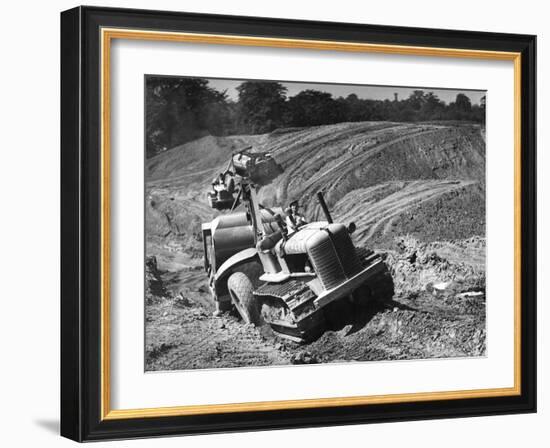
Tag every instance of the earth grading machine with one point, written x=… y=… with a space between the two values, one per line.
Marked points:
x=294 y=282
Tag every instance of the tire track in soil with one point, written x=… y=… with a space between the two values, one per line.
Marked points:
x=189 y=337
x=376 y=215
x=183 y=337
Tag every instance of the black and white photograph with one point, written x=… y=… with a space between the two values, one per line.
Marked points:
x=275 y=224
x=304 y=223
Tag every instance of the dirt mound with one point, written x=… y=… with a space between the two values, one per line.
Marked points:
x=197 y=158
x=176 y=189
x=455 y=214
x=389 y=178
x=345 y=157
x=441 y=268
x=170 y=215
x=430 y=210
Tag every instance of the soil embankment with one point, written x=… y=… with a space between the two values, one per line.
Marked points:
x=415 y=191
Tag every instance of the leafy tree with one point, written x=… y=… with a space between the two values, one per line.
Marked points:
x=481 y=111
x=461 y=109
x=313 y=108
x=180 y=110
x=432 y=108
x=463 y=103
x=478 y=111
x=357 y=109
x=416 y=100
x=261 y=106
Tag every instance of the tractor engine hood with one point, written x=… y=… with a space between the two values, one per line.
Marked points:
x=329 y=248
x=297 y=242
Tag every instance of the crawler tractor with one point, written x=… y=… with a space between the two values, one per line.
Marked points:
x=293 y=282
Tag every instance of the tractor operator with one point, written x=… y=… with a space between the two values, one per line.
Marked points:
x=224 y=182
x=294 y=220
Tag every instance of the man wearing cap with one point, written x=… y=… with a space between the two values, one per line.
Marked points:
x=294 y=220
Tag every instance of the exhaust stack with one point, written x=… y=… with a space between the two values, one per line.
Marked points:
x=323 y=205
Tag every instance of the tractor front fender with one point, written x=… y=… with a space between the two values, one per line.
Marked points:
x=227 y=267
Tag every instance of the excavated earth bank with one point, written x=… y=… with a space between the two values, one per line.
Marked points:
x=416 y=193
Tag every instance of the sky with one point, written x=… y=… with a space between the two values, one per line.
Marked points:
x=362 y=91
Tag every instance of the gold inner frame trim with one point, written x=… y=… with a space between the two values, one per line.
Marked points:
x=107 y=35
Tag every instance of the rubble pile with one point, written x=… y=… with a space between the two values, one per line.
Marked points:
x=443 y=268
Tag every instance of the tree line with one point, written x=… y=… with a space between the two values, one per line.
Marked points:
x=179 y=110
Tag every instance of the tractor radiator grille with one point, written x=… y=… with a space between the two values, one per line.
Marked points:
x=327 y=265
x=346 y=252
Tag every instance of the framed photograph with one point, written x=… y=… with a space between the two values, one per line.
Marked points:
x=276 y=224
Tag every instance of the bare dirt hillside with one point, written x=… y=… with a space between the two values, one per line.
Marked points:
x=350 y=161
x=415 y=192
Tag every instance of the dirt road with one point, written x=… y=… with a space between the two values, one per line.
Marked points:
x=188 y=337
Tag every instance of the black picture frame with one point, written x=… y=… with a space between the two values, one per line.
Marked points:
x=81 y=381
